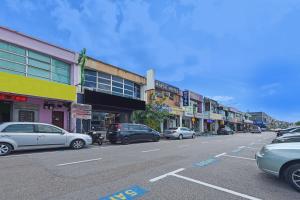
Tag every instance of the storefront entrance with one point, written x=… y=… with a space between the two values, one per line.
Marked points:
x=5 y=111
x=101 y=119
x=58 y=118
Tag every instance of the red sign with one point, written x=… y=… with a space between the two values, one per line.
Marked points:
x=13 y=97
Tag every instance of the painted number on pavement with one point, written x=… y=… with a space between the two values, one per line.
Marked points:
x=127 y=194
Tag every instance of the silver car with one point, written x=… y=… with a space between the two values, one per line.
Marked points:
x=281 y=160
x=25 y=135
x=179 y=133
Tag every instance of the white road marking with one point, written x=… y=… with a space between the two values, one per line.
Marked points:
x=221 y=154
x=238 y=157
x=251 y=148
x=151 y=150
x=173 y=173
x=216 y=187
x=77 y=162
x=165 y=175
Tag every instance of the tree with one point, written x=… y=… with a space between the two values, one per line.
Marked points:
x=297 y=123
x=154 y=114
x=81 y=62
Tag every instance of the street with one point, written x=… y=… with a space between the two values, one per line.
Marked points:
x=212 y=167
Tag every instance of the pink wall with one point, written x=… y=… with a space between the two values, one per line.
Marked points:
x=45 y=115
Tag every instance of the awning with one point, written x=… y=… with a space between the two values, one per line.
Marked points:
x=104 y=101
x=16 y=84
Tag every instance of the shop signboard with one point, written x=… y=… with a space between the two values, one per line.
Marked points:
x=166 y=87
x=185 y=98
x=81 y=111
x=196 y=96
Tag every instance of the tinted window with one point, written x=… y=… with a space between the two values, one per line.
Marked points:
x=19 y=128
x=48 y=129
x=296 y=130
x=134 y=127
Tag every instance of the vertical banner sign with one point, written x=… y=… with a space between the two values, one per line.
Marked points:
x=185 y=98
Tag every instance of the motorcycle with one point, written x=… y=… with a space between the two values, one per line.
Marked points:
x=96 y=136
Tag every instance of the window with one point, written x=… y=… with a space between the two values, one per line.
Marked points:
x=111 y=84
x=115 y=89
x=19 y=128
x=117 y=79
x=116 y=84
x=104 y=81
x=17 y=60
x=26 y=116
x=134 y=127
x=48 y=129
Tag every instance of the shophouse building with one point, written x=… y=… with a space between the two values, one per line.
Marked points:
x=193 y=110
x=113 y=93
x=261 y=119
x=212 y=119
x=248 y=123
x=230 y=119
x=36 y=80
x=171 y=97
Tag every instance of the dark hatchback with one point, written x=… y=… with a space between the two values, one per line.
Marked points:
x=225 y=131
x=126 y=133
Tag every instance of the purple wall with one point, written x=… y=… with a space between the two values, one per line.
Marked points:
x=45 y=115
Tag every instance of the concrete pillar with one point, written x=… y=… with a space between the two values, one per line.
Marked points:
x=201 y=124
x=161 y=127
x=180 y=120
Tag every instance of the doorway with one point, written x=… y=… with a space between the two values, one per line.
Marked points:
x=58 y=118
x=5 y=109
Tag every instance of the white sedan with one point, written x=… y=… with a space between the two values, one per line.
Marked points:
x=28 y=135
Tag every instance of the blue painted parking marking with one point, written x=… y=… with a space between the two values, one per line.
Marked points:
x=205 y=162
x=127 y=194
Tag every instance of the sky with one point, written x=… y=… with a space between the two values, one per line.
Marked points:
x=245 y=54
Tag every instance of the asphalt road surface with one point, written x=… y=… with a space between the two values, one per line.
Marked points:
x=213 y=167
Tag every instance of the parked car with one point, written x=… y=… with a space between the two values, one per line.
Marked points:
x=291 y=137
x=255 y=129
x=225 y=131
x=127 y=133
x=281 y=160
x=26 y=135
x=179 y=133
x=288 y=130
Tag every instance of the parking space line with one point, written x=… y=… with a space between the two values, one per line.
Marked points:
x=219 y=155
x=151 y=150
x=216 y=187
x=251 y=148
x=77 y=162
x=174 y=173
x=238 y=157
x=165 y=175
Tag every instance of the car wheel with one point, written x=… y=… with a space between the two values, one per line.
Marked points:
x=293 y=176
x=180 y=137
x=125 y=140
x=193 y=136
x=5 y=149
x=77 y=144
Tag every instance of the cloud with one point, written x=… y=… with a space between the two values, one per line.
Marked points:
x=223 y=99
x=270 y=89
